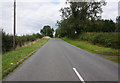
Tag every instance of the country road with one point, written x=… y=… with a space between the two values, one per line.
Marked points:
x=59 y=61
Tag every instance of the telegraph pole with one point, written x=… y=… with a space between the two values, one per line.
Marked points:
x=14 y=38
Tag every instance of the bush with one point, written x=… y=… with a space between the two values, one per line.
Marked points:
x=7 y=40
x=107 y=39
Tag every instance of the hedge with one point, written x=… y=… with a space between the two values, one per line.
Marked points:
x=7 y=40
x=107 y=39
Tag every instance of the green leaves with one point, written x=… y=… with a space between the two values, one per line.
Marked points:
x=107 y=39
x=47 y=31
x=79 y=17
x=7 y=40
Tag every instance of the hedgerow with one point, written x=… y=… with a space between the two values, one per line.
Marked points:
x=7 y=40
x=107 y=39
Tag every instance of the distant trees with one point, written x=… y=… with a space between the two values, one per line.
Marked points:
x=47 y=31
x=83 y=17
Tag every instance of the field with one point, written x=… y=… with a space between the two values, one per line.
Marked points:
x=97 y=49
x=10 y=59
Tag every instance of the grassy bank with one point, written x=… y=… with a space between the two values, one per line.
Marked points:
x=95 y=48
x=10 y=59
x=106 y=39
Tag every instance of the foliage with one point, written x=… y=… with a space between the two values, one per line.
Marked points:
x=7 y=40
x=82 y=17
x=79 y=17
x=47 y=31
x=107 y=39
x=100 y=26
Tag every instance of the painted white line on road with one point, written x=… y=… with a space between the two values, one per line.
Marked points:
x=79 y=76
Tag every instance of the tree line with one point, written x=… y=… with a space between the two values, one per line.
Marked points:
x=82 y=17
x=7 y=40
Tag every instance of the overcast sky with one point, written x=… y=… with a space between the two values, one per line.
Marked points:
x=32 y=16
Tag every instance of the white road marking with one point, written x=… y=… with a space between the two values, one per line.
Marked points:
x=79 y=76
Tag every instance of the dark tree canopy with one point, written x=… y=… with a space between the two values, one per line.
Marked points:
x=47 y=31
x=81 y=17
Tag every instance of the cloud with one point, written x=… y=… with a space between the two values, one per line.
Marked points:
x=32 y=15
x=110 y=11
x=119 y=8
x=6 y=17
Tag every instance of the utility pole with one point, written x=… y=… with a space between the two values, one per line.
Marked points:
x=14 y=37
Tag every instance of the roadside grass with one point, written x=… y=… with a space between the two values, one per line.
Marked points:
x=10 y=59
x=97 y=49
x=115 y=59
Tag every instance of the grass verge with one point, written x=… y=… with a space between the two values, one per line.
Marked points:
x=106 y=52
x=10 y=60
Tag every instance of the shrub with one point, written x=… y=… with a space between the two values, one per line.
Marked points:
x=107 y=39
x=7 y=40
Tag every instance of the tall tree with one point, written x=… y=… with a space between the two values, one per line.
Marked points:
x=79 y=15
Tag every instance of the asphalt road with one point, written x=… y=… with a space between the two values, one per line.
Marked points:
x=60 y=61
